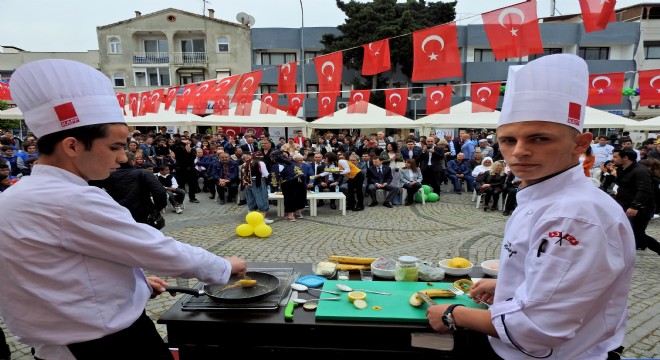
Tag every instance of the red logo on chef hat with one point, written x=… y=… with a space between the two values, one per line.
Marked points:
x=66 y=113
x=574 y=112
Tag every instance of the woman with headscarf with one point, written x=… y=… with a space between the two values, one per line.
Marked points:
x=481 y=170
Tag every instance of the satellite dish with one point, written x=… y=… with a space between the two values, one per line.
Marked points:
x=245 y=19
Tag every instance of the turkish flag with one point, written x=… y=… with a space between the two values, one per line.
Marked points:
x=155 y=100
x=244 y=107
x=221 y=105
x=268 y=104
x=295 y=102
x=649 y=94
x=605 y=88
x=246 y=87
x=596 y=14
x=222 y=87
x=435 y=53
x=328 y=71
x=5 y=93
x=376 y=57
x=121 y=99
x=438 y=99
x=396 y=101
x=133 y=99
x=200 y=98
x=485 y=96
x=145 y=102
x=185 y=97
x=286 y=80
x=327 y=102
x=513 y=31
x=358 y=102
x=170 y=96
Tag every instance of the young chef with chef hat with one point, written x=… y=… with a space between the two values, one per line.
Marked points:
x=568 y=250
x=73 y=286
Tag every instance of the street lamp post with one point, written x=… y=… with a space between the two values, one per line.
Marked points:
x=302 y=57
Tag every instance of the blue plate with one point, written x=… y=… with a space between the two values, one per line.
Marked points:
x=312 y=281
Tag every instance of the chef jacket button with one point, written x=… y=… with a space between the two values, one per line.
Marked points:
x=530 y=212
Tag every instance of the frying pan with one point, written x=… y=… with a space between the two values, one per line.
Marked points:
x=266 y=284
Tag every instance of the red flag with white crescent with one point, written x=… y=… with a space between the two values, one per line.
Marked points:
x=145 y=102
x=327 y=102
x=438 y=99
x=513 y=31
x=268 y=104
x=358 y=102
x=155 y=100
x=170 y=96
x=133 y=100
x=223 y=86
x=376 y=57
x=649 y=91
x=221 y=105
x=596 y=14
x=605 y=88
x=5 y=93
x=295 y=102
x=396 y=101
x=435 y=53
x=485 y=96
x=329 y=70
x=184 y=99
x=246 y=87
x=244 y=107
x=121 y=99
x=286 y=80
x=200 y=99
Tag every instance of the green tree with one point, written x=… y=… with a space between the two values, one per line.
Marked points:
x=381 y=19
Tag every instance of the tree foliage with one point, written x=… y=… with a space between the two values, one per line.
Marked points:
x=381 y=19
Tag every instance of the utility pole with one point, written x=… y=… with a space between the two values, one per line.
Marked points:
x=302 y=58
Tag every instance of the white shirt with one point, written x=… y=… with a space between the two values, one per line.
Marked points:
x=601 y=153
x=572 y=297
x=78 y=276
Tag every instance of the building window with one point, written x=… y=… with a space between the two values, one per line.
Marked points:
x=277 y=58
x=483 y=55
x=114 y=45
x=193 y=50
x=312 y=90
x=652 y=49
x=152 y=77
x=310 y=55
x=119 y=80
x=223 y=44
x=268 y=89
x=594 y=53
x=546 y=51
x=222 y=73
x=189 y=78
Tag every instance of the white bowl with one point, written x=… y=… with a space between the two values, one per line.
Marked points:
x=487 y=267
x=444 y=265
x=384 y=267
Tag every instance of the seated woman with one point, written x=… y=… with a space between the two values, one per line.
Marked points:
x=411 y=177
x=511 y=185
x=480 y=171
x=493 y=184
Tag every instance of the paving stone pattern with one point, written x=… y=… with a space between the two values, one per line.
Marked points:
x=448 y=228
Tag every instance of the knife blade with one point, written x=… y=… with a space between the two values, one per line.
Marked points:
x=288 y=311
x=426 y=298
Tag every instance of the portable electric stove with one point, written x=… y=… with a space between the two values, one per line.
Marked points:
x=271 y=302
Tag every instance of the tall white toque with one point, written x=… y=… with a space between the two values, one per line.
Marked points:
x=552 y=88
x=56 y=95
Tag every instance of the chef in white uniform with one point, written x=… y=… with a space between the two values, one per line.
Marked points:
x=568 y=252
x=71 y=258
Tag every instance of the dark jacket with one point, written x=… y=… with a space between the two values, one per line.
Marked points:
x=635 y=188
x=405 y=154
x=437 y=159
x=217 y=171
x=374 y=178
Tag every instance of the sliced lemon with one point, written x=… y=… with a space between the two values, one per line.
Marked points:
x=356 y=295
x=360 y=304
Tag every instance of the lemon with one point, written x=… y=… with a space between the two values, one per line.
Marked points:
x=356 y=295
x=459 y=263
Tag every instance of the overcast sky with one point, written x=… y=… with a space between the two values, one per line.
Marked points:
x=70 y=25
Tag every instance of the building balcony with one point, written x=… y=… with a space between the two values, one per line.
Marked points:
x=151 y=58
x=177 y=58
x=189 y=58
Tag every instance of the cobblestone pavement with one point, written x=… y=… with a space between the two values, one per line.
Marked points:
x=448 y=228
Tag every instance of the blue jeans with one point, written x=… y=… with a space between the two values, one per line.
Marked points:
x=257 y=197
x=457 y=184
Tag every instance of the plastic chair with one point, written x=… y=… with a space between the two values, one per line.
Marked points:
x=500 y=203
x=404 y=194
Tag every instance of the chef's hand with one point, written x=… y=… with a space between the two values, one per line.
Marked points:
x=483 y=290
x=157 y=285
x=630 y=212
x=434 y=315
x=238 y=266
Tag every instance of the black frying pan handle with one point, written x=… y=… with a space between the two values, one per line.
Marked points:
x=184 y=290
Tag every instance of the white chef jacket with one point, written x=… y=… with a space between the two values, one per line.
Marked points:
x=572 y=297
x=601 y=153
x=71 y=259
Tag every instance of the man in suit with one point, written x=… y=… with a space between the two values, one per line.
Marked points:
x=411 y=151
x=453 y=147
x=250 y=146
x=317 y=167
x=430 y=162
x=380 y=177
x=460 y=170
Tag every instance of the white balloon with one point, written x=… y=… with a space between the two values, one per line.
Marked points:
x=484 y=88
x=511 y=10
x=431 y=38
x=327 y=63
x=442 y=95
x=595 y=80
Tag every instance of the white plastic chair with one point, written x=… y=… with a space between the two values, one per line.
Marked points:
x=404 y=195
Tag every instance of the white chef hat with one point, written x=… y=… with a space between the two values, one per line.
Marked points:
x=56 y=95
x=552 y=88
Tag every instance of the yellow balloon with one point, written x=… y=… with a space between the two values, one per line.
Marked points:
x=244 y=230
x=263 y=230
x=254 y=218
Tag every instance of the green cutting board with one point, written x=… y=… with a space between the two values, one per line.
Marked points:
x=394 y=307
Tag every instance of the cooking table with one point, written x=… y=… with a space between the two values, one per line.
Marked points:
x=200 y=334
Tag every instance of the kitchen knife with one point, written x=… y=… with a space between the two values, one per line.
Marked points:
x=288 y=312
x=426 y=298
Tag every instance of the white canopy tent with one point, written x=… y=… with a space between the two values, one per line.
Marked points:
x=279 y=119
x=375 y=117
x=646 y=125
x=594 y=118
x=11 y=114
x=461 y=116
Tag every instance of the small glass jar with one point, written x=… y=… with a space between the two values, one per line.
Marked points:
x=406 y=269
